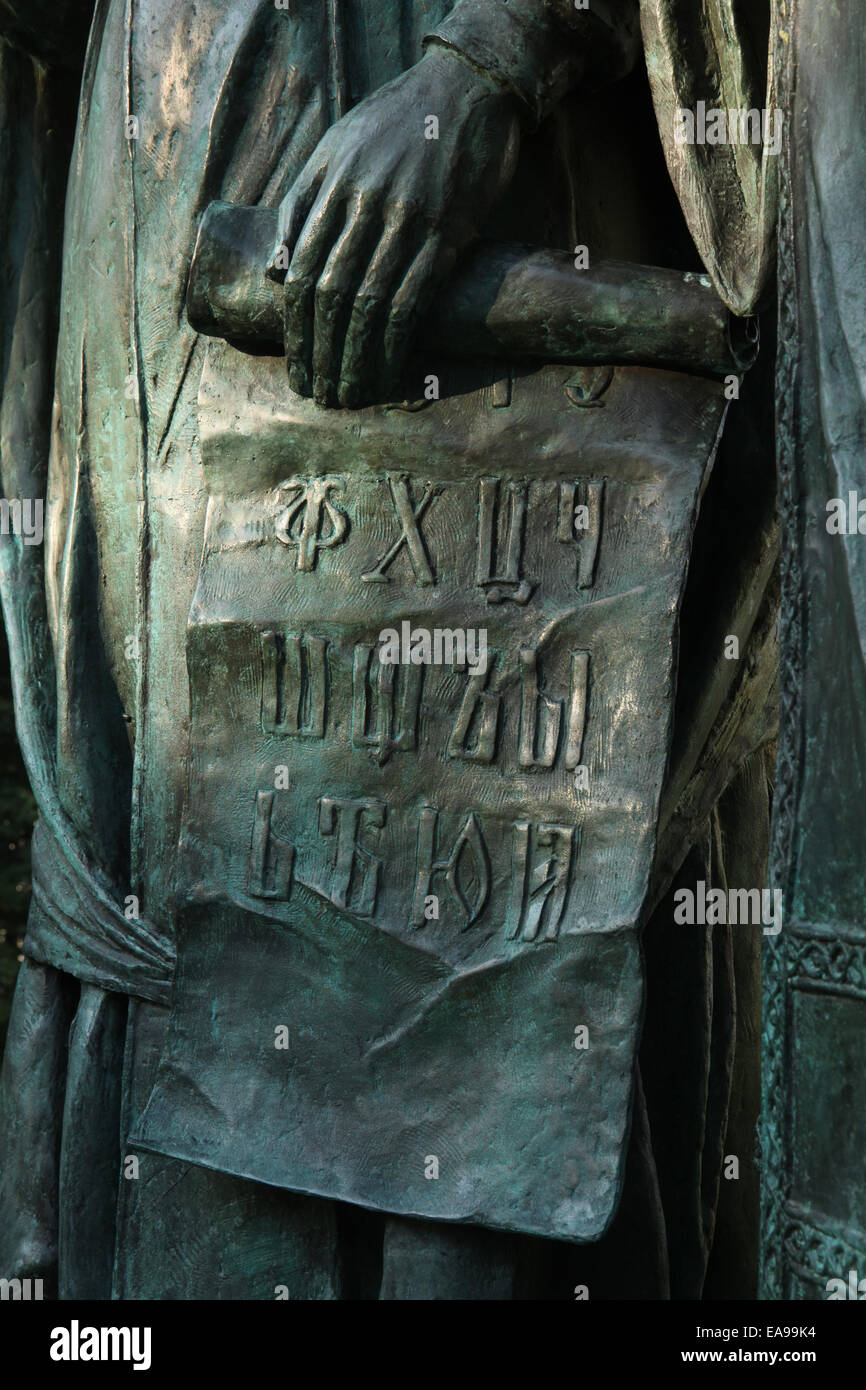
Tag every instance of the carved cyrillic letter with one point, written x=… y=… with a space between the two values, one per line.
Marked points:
x=408 y=515
x=394 y=693
x=538 y=893
x=509 y=584
x=355 y=877
x=469 y=842
x=479 y=710
x=269 y=869
x=294 y=684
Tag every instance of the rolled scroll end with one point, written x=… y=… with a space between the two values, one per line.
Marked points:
x=510 y=302
x=229 y=294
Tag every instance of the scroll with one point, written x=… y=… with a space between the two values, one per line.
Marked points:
x=432 y=659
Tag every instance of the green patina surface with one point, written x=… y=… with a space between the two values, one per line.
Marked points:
x=17 y=814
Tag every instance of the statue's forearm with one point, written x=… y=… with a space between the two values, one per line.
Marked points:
x=543 y=49
x=53 y=30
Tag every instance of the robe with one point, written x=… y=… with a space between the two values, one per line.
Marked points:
x=181 y=104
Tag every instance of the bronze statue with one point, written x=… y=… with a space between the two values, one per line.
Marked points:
x=382 y=318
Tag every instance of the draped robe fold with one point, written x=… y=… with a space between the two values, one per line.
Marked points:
x=174 y=112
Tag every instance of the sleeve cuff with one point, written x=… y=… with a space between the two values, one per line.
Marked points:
x=539 y=48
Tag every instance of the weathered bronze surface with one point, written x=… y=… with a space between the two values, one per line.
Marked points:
x=523 y=798
x=434 y=877
x=815 y=973
x=511 y=302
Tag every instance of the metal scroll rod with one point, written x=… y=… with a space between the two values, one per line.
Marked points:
x=518 y=303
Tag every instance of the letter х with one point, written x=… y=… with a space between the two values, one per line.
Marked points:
x=408 y=515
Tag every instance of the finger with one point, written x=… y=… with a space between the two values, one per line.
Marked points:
x=335 y=294
x=308 y=259
x=409 y=305
x=293 y=213
x=362 y=349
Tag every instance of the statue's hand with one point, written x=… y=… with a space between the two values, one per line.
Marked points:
x=377 y=217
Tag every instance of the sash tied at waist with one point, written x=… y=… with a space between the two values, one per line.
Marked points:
x=76 y=925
